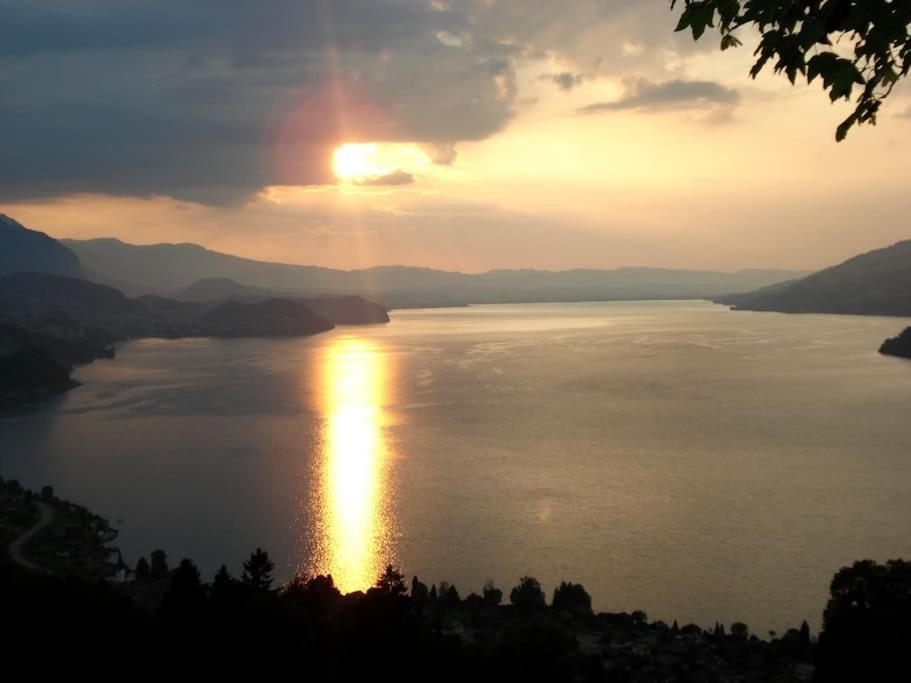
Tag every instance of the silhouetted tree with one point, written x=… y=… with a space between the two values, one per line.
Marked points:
x=803 y=639
x=573 y=598
x=258 y=571
x=186 y=595
x=639 y=617
x=392 y=582
x=447 y=596
x=223 y=584
x=419 y=591
x=740 y=630
x=159 y=567
x=866 y=631
x=318 y=594
x=527 y=595
x=493 y=596
x=142 y=570
x=47 y=493
x=420 y=595
x=451 y=598
x=797 y=38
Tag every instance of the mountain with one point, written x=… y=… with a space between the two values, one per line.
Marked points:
x=898 y=346
x=165 y=268
x=220 y=288
x=875 y=283
x=348 y=310
x=79 y=308
x=28 y=368
x=30 y=299
x=338 y=309
x=269 y=318
x=48 y=323
x=22 y=249
x=37 y=294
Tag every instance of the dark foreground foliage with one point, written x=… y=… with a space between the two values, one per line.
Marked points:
x=387 y=632
x=165 y=620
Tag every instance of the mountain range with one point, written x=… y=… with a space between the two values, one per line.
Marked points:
x=874 y=283
x=192 y=272
x=66 y=302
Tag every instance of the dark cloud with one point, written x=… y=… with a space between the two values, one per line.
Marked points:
x=565 y=80
x=642 y=94
x=212 y=100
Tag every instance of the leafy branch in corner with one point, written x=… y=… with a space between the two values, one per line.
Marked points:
x=799 y=37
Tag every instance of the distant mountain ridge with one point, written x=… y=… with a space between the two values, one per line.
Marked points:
x=48 y=323
x=32 y=299
x=22 y=249
x=875 y=283
x=172 y=269
x=218 y=288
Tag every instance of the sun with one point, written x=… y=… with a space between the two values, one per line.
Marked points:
x=364 y=163
x=352 y=161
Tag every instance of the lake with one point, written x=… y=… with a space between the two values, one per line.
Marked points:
x=676 y=457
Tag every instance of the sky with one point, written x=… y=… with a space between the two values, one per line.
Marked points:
x=464 y=135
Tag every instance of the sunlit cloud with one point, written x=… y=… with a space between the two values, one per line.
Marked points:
x=375 y=163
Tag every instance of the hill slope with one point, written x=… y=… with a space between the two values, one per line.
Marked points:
x=22 y=249
x=875 y=283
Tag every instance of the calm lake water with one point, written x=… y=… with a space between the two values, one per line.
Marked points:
x=677 y=457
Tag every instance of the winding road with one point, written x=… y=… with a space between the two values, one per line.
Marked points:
x=15 y=548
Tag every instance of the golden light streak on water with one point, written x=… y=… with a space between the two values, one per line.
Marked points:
x=355 y=526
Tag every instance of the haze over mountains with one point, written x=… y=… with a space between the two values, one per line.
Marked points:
x=174 y=269
x=875 y=283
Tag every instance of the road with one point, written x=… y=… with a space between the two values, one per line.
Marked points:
x=15 y=548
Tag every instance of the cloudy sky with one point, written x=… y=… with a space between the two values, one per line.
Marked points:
x=464 y=135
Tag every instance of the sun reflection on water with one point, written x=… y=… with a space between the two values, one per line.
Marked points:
x=354 y=526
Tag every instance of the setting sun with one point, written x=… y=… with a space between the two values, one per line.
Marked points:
x=373 y=163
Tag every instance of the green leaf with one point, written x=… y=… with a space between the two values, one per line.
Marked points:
x=729 y=40
x=888 y=76
x=842 y=131
x=821 y=65
x=697 y=16
x=842 y=79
